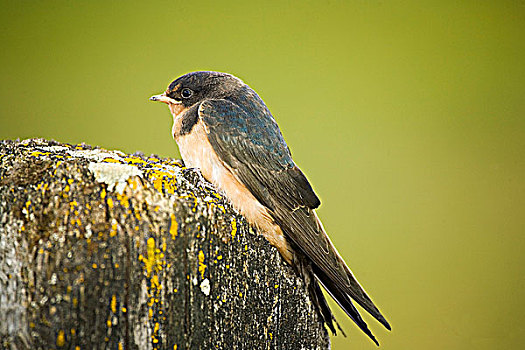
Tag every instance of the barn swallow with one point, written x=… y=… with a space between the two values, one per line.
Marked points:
x=223 y=128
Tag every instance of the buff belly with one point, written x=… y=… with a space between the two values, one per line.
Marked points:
x=197 y=152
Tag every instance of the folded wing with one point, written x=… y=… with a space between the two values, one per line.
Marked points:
x=253 y=147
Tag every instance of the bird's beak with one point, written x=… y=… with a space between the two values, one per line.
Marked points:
x=164 y=98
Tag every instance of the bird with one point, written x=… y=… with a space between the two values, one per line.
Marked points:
x=223 y=128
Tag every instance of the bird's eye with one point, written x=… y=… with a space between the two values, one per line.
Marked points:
x=186 y=93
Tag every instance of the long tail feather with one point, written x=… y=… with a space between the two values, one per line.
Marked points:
x=358 y=294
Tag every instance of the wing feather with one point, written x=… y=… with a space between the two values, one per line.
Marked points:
x=253 y=146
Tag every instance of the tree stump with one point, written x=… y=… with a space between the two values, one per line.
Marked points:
x=101 y=249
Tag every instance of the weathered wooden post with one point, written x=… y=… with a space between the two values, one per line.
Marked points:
x=100 y=249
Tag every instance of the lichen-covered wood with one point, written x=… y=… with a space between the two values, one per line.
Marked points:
x=100 y=249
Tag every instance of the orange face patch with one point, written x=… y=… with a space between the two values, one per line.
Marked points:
x=176 y=109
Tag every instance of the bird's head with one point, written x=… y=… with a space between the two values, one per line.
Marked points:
x=193 y=88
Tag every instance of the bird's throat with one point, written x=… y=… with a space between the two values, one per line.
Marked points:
x=177 y=111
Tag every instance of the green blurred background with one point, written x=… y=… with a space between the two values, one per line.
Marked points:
x=408 y=117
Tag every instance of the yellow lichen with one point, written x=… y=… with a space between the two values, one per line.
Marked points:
x=157 y=183
x=153 y=259
x=38 y=154
x=135 y=160
x=170 y=187
x=173 y=226
x=133 y=183
x=61 y=339
x=155 y=281
x=234 y=227
x=202 y=265
x=113 y=303
x=162 y=180
x=114 y=227
x=123 y=200
x=57 y=166
x=110 y=160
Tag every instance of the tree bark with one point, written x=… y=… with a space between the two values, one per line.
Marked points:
x=101 y=249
